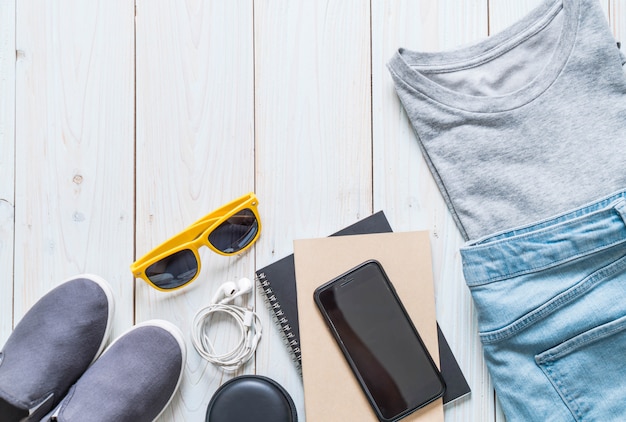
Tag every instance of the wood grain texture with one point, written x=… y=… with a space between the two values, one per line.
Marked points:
x=74 y=148
x=7 y=163
x=617 y=19
x=123 y=121
x=195 y=151
x=313 y=137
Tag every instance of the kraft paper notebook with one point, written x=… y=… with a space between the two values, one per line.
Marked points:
x=278 y=282
x=331 y=392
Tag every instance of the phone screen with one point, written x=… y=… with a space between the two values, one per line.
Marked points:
x=379 y=341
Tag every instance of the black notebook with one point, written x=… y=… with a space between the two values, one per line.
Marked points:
x=278 y=281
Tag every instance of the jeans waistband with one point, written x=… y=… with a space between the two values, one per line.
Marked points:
x=547 y=243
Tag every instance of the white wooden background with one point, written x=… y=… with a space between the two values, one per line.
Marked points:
x=122 y=121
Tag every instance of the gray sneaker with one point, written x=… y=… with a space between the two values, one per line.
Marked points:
x=52 y=345
x=133 y=381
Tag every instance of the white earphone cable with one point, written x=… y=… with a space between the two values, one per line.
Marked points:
x=249 y=327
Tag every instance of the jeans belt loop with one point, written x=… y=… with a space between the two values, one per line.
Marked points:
x=620 y=207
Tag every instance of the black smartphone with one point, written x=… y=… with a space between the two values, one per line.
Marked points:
x=379 y=341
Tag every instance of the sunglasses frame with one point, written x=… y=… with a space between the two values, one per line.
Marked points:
x=197 y=235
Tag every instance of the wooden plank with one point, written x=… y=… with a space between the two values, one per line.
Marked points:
x=616 y=12
x=74 y=148
x=195 y=151
x=313 y=131
x=7 y=163
x=404 y=187
x=73 y=198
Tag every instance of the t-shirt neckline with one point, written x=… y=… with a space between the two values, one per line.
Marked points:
x=404 y=61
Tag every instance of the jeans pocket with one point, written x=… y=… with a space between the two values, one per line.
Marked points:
x=589 y=372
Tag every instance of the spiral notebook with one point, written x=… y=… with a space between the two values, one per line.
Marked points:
x=278 y=281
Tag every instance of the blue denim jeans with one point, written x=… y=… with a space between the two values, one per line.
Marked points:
x=551 y=304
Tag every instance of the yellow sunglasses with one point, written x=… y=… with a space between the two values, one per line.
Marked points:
x=228 y=230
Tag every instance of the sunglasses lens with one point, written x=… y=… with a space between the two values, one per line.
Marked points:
x=174 y=271
x=235 y=233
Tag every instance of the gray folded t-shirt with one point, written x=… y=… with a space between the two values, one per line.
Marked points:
x=525 y=124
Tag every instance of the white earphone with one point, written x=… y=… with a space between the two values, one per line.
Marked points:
x=248 y=322
x=231 y=290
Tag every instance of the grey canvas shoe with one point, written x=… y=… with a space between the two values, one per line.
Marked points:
x=133 y=381
x=52 y=345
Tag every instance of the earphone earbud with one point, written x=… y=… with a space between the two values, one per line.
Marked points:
x=229 y=290
x=244 y=286
x=226 y=290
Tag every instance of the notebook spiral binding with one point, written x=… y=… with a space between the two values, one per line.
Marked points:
x=279 y=318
